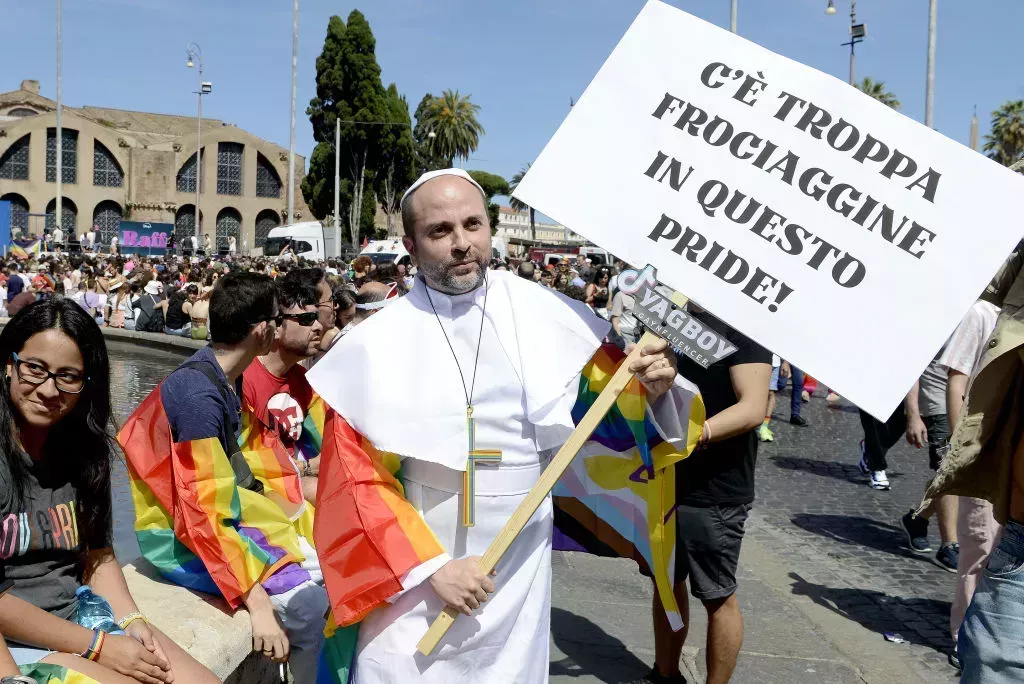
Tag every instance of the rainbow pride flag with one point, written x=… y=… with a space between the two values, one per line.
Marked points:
x=44 y=673
x=271 y=463
x=367 y=535
x=194 y=523
x=311 y=440
x=618 y=496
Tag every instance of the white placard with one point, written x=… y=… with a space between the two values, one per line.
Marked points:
x=836 y=232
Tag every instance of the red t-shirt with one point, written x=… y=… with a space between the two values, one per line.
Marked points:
x=278 y=403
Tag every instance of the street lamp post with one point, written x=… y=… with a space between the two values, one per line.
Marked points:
x=59 y=134
x=929 y=90
x=857 y=32
x=291 y=145
x=195 y=54
x=733 y=12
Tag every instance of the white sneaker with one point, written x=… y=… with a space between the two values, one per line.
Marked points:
x=879 y=480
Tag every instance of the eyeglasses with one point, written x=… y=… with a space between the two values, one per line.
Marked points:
x=34 y=374
x=305 y=319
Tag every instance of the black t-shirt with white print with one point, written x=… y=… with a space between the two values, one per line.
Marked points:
x=41 y=547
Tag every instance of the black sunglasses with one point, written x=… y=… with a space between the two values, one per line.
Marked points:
x=305 y=319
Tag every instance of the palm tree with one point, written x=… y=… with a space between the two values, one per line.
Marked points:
x=876 y=89
x=518 y=205
x=452 y=119
x=1005 y=143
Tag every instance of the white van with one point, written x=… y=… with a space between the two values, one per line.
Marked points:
x=390 y=251
x=598 y=256
x=309 y=240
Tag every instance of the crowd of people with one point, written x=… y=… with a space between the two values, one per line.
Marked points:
x=281 y=493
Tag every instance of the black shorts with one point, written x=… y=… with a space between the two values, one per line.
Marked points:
x=938 y=438
x=708 y=548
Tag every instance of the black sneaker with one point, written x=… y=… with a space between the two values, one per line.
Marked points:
x=949 y=556
x=799 y=421
x=916 y=530
x=655 y=677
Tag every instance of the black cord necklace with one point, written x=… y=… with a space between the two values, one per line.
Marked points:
x=479 y=343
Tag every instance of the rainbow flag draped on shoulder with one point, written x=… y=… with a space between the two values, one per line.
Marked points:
x=370 y=538
x=618 y=496
x=194 y=522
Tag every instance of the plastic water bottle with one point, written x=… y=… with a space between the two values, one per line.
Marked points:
x=95 y=613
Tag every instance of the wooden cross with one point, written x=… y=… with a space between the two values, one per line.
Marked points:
x=468 y=478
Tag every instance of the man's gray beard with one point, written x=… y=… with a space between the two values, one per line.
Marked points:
x=441 y=279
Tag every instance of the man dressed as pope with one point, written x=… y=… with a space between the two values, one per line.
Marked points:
x=448 y=404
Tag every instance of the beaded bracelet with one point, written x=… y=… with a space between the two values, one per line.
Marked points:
x=130 y=618
x=93 y=652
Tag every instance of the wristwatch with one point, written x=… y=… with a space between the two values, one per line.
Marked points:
x=18 y=679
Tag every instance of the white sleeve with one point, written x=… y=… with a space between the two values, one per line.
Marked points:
x=420 y=574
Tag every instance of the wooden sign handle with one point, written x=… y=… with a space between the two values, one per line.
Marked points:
x=535 y=497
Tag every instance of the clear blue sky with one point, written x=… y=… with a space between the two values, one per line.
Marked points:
x=521 y=61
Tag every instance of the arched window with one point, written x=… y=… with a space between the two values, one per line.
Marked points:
x=14 y=162
x=268 y=183
x=265 y=220
x=229 y=222
x=229 y=168
x=187 y=176
x=107 y=217
x=22 y=112
x=69 y=152
x=68 y=217
x=19 y=211
x=185 y=224
x=105 y=169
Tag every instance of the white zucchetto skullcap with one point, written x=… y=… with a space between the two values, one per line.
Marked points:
x=431 y=175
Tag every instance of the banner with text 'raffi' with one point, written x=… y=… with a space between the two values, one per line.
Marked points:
x=834 y=231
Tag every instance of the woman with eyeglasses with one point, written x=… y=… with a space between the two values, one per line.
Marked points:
x=55 y=505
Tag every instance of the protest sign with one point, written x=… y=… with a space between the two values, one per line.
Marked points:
x=143 y=237
x=831 y=229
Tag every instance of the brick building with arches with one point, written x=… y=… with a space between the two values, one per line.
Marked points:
x=139 y=166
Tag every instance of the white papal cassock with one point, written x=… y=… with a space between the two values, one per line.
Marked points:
x=394 y=379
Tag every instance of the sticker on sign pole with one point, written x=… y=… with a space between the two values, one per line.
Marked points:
x=663 y=312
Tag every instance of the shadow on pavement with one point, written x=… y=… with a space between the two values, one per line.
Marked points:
x=914 y=619
x=847 y=472
x=590 y=651
x=849 y=529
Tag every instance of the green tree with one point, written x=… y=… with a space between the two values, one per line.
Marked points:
x=876 y=89
x=493 y=184
x=397 y=169
x=318 y=185
x=349 y=90
x=1005 y=142
x=519 y=205
x=425 y=160
x=452 y=120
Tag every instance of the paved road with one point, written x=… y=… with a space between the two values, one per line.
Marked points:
x=824 y=572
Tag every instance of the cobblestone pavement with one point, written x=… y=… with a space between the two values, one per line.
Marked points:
x=842 y=540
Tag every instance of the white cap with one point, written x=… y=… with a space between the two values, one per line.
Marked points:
x=431 y=175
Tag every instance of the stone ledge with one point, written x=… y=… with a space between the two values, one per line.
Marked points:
x=172 y=343
x=201 y=624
